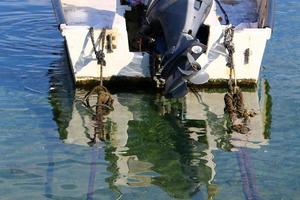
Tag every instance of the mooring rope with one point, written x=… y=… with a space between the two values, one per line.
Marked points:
x=104 y=97
x=239 y=117
x=104 y=103
x=99 y=109
x=234 y=100
x=100 y=55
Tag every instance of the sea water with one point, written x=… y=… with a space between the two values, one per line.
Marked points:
x=149 y=147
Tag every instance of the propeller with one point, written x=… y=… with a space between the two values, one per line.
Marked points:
x=190 y=70
x=195 y=74
x=199 y=78
x=175 y=86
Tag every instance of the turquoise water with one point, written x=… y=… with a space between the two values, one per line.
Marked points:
x=154 y=148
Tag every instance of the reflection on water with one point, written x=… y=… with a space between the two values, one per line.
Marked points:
x=143 y=159
x=167 y=143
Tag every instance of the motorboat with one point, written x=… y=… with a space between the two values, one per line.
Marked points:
x=174 y=43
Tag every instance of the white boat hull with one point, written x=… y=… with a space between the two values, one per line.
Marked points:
x=78 y=16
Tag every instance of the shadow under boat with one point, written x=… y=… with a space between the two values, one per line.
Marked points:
x=150 y=140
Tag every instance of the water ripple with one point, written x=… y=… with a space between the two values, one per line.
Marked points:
x=159 y=157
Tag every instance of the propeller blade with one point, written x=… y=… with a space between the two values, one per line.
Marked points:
x=186 y=72
x=175 y=86
x=190 y=58
x=194 y=64
x=199 y=78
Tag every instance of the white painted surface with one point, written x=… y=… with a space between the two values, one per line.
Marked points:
x=97 y=13
x=246 y=35
x=80 y=15
x=119 y=63
x=254 y=39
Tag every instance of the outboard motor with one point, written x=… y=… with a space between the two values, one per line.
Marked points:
x=173 y=26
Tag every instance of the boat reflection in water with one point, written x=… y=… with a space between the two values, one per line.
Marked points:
x=150 y=140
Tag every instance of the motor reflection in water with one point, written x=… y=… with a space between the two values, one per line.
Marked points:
x=168 y=143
